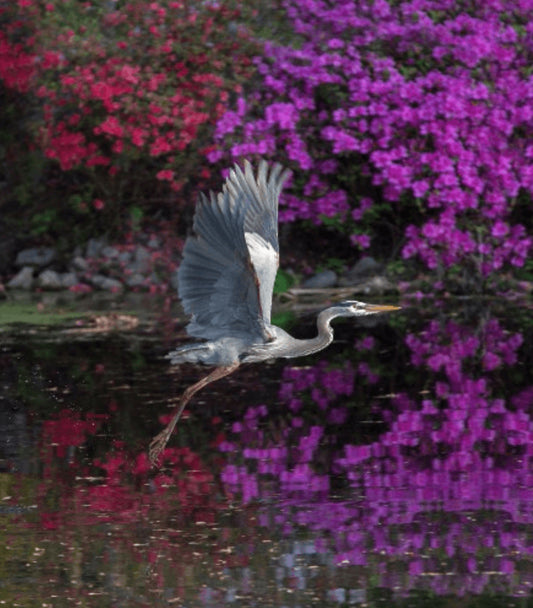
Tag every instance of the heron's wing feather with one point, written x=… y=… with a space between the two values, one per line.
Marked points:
x=227 y=274
x=215 y=281
x=261 y=223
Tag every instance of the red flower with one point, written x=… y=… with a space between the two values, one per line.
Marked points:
x=138 y=136
x=160 y=146
x=101 y=90
x=130 y=74
x=68 y=148
x=165 y=174
x=110 y=126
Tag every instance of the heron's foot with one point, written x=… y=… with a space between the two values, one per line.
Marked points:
x=157 y=445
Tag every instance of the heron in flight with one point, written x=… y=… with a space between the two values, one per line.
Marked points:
x=226 y=280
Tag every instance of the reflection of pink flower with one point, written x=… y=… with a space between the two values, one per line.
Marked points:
x=69 y=430
x=366 y=343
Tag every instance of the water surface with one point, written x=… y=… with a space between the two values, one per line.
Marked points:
x=393 y=469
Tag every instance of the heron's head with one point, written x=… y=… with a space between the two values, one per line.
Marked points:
x=353 y=308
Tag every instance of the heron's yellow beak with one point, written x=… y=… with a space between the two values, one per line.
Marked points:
x=381 y=308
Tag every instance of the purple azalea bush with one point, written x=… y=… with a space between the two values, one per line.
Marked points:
x=419 y=110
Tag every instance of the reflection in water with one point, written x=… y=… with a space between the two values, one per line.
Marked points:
x=401 y=467
x=446 y=490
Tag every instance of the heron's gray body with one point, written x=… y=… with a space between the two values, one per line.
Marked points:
x=225 y=351
x=229 y=266
x=226 y=281
x=226 y=278
x=241 y=348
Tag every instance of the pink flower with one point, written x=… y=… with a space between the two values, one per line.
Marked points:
x=165 y=174
x=110 y=126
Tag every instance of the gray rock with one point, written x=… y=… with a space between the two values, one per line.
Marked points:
x=365 y=268
x=110 y=252
x=377 y=286
x=105 y=283
x=49 y=279
x=124 y=257
x=135 y=279
x=37 y=256
x=321 y=280
x=142 y=260
x=80 y=263
x=155 y=279
x=174 y=281
x=23 y=279
x=94 y=247
x=154 y=242
x=69 y=279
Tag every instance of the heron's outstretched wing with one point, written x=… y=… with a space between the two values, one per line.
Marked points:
x=227 y=274
x=261 y=223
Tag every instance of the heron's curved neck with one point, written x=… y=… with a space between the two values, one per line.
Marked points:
x=323 y=339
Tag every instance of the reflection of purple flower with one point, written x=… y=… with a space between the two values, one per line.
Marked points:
x=425 y=486
x=366 y=343
x=337 y=415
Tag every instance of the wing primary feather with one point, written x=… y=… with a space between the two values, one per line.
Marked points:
x=227 y=274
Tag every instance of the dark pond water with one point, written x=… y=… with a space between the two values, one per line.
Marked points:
x=394 y=469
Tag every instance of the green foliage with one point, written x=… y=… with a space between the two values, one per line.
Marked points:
x=336 y=264
x=13 y=313
x=284 y=281
x=284 y=319
x=335 y=222
x=136 y=215
x=42 y=221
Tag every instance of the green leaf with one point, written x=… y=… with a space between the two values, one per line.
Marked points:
x=283 y=319
x=284 y=281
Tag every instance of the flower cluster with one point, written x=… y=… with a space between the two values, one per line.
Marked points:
x=421 y=104
x=324 y=384
x=420 y=491
x=461 y=450
x=126 y=95
x=17 y=67
x=116 y=500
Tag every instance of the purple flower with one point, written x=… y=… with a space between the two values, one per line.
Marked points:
x=284 y=115
x=441 y=113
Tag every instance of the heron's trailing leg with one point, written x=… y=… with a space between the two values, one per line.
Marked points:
x=158 y=443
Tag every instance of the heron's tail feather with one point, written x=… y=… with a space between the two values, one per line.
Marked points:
x=191 y=353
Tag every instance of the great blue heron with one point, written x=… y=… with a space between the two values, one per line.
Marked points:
x=226 y=280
